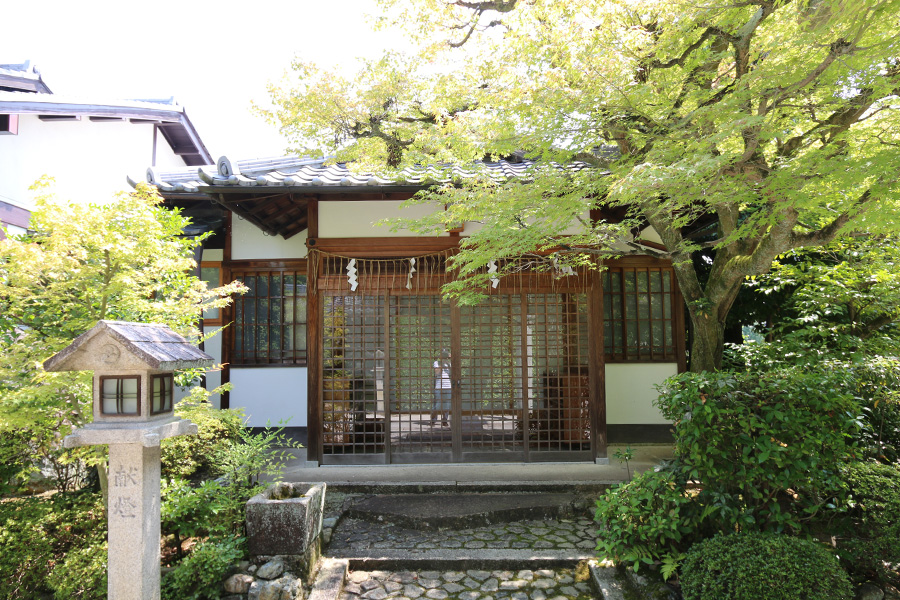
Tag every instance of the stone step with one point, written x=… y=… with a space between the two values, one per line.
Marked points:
x=460 y=511
x=581 y=488
x=447 y=560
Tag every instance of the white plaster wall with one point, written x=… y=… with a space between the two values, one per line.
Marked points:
x=248 y=242
x=12 y=230
x=574 y=229
x=89 y=160
x=630 y=392
x=213 y=347
x=165 y=157
x=270 y=394
x=213 y=255
x=650 y=235
x=357 y=218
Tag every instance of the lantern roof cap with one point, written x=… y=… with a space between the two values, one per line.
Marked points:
x=153 y=344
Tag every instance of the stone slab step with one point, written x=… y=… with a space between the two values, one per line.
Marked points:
x=591 y=488
x=459 y=511
x=449 y=560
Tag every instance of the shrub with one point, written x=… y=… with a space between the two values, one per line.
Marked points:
x=193 y=512
x=872 y=541
x=766 y=448
x=193 y=456
x=650 y=518
x=81 y=574
x=38 y=534
x=200 y=575
x=876 y=384
x=760 y=566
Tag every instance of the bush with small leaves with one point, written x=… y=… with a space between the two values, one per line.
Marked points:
x=870 y=546
x=193 y=456
x=766 y=448
x=38 y=535
x=650 y=518
x=200 y=575
x=762 y=566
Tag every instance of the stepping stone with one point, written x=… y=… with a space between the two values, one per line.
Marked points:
x=460 y=511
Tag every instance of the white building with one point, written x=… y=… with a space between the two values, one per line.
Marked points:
x=42 y=133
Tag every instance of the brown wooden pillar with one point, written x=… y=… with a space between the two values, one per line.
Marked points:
x=314 y=324
x=597 y=369
x=227 y=316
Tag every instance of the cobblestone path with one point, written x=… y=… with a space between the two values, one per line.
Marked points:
x=564 y=534
x=541 y=584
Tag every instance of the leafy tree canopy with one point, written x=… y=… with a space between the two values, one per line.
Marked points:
x=750 y=127
x=125 y=260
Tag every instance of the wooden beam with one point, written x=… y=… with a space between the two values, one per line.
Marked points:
x=312 y=217
x=387 y=247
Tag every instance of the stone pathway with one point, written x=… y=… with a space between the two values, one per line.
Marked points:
x=563 y=534
x=541 y=584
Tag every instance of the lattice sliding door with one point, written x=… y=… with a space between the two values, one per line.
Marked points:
x=516 y=385
x=420 y=331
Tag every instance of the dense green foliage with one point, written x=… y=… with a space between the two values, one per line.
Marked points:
x=211 y=512
x=757 y=566
x=842 y=300
x=767 y=447
x=54 y=545
x=869 y=546
x=653 y=517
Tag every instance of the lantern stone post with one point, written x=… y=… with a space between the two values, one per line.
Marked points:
x=133 y=387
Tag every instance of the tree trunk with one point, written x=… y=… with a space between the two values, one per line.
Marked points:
x=708 y=342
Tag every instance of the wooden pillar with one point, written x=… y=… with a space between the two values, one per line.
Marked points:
x=597 y=368
x=314 y=325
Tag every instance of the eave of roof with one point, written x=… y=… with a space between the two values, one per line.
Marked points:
x=170 y=117
x=273 y=193
x=23 y=77
x=305 y=175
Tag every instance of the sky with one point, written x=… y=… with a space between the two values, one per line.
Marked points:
x=215 y=58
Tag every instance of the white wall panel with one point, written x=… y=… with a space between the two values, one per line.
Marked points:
x=270 y=394
x=212 y=255
x=630 y=392
x=88 y=159
x=248 y=242
x=358 y=218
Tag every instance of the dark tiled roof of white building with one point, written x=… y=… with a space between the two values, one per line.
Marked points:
x=310 y=174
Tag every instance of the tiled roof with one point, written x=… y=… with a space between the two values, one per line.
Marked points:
x=22 y=77
x=311 y=174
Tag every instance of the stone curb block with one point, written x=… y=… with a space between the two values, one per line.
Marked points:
x=329 y=582
x=606 y=582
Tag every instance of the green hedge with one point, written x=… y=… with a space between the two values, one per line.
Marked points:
x=762 y=566
x=766 y=448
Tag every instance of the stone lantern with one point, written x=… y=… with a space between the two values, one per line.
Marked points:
x=133 y=388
